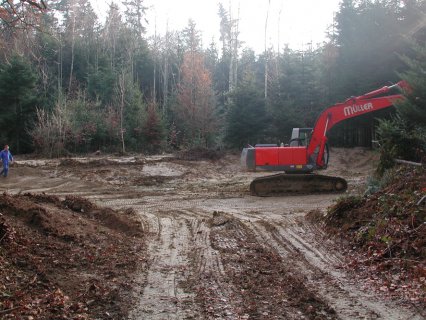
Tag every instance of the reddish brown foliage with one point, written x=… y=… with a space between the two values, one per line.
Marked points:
x=195 y=108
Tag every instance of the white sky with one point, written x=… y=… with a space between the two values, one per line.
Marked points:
x=301 y=21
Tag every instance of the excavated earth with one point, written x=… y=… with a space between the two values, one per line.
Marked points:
x=171 y=237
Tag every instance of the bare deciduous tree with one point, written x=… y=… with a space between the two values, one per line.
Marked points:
x=21 y=14
x=195 y=109
x=49 y=133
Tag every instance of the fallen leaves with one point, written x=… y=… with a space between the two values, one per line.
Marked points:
x=57 y=263
x=386 y=235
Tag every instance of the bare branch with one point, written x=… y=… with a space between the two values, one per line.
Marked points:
x=14 y=14
x=41 y=5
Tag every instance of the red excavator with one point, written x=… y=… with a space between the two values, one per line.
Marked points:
x=308 y=149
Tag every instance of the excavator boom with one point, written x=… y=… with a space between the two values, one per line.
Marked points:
x=352 y=107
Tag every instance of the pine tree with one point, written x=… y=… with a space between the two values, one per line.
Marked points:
x=247 y=118
x=153 y=129
x=18 y=100
x=404 y=136
x=413 y=110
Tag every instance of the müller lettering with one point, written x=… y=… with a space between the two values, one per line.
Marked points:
x=350 y=110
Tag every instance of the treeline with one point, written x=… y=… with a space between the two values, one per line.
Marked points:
x=69 y=83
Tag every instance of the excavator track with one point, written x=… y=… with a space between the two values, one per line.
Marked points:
x=286 y=184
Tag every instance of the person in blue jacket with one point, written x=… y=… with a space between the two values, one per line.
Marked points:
x=5 y=157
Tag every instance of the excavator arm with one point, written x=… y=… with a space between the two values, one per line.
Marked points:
x=352 y=107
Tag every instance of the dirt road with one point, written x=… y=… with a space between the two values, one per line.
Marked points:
x=216 y=252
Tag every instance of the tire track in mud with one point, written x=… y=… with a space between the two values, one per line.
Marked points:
x=185 y=276
x=267 y=287
x=163 y=296
x=214 y=293
x=310 y=258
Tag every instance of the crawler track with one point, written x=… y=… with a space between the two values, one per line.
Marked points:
x=285 y=184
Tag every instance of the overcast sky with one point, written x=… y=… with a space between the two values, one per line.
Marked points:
x=301 y=21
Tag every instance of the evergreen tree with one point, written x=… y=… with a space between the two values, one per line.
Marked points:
x=153 y=129
x=135 y=12
x=404 y=136
x=18 y=100
x=413 y=110
x=247 y=118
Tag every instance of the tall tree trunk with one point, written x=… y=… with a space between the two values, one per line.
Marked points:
x=266 y=56
x=18 y=113
x=166 y=73
x=154 y=94
x=231 y=53
x=60 y=65
x=235 y=48
x=72 y=45
x=279 y=30
x=122 y=89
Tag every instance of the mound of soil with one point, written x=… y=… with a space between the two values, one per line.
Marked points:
x=98 y=162
x=196 y=154
x=66 y=259
x=386 y=234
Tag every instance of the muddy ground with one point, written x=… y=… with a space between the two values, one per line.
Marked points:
x=209 y=250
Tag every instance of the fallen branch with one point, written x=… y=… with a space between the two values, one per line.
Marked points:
x=402 y=259
x=410 y=163
x=9 y=310
x=4 y=236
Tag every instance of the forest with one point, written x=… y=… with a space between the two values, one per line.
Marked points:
x=70 y=83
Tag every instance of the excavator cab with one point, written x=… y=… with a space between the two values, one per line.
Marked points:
x=300 y=137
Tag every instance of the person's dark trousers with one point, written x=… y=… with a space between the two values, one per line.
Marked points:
x=4 y=171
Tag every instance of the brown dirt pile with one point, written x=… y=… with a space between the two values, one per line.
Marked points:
x=66 y=259
x=101 y=162
x=386 y=234
x=196 y=154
